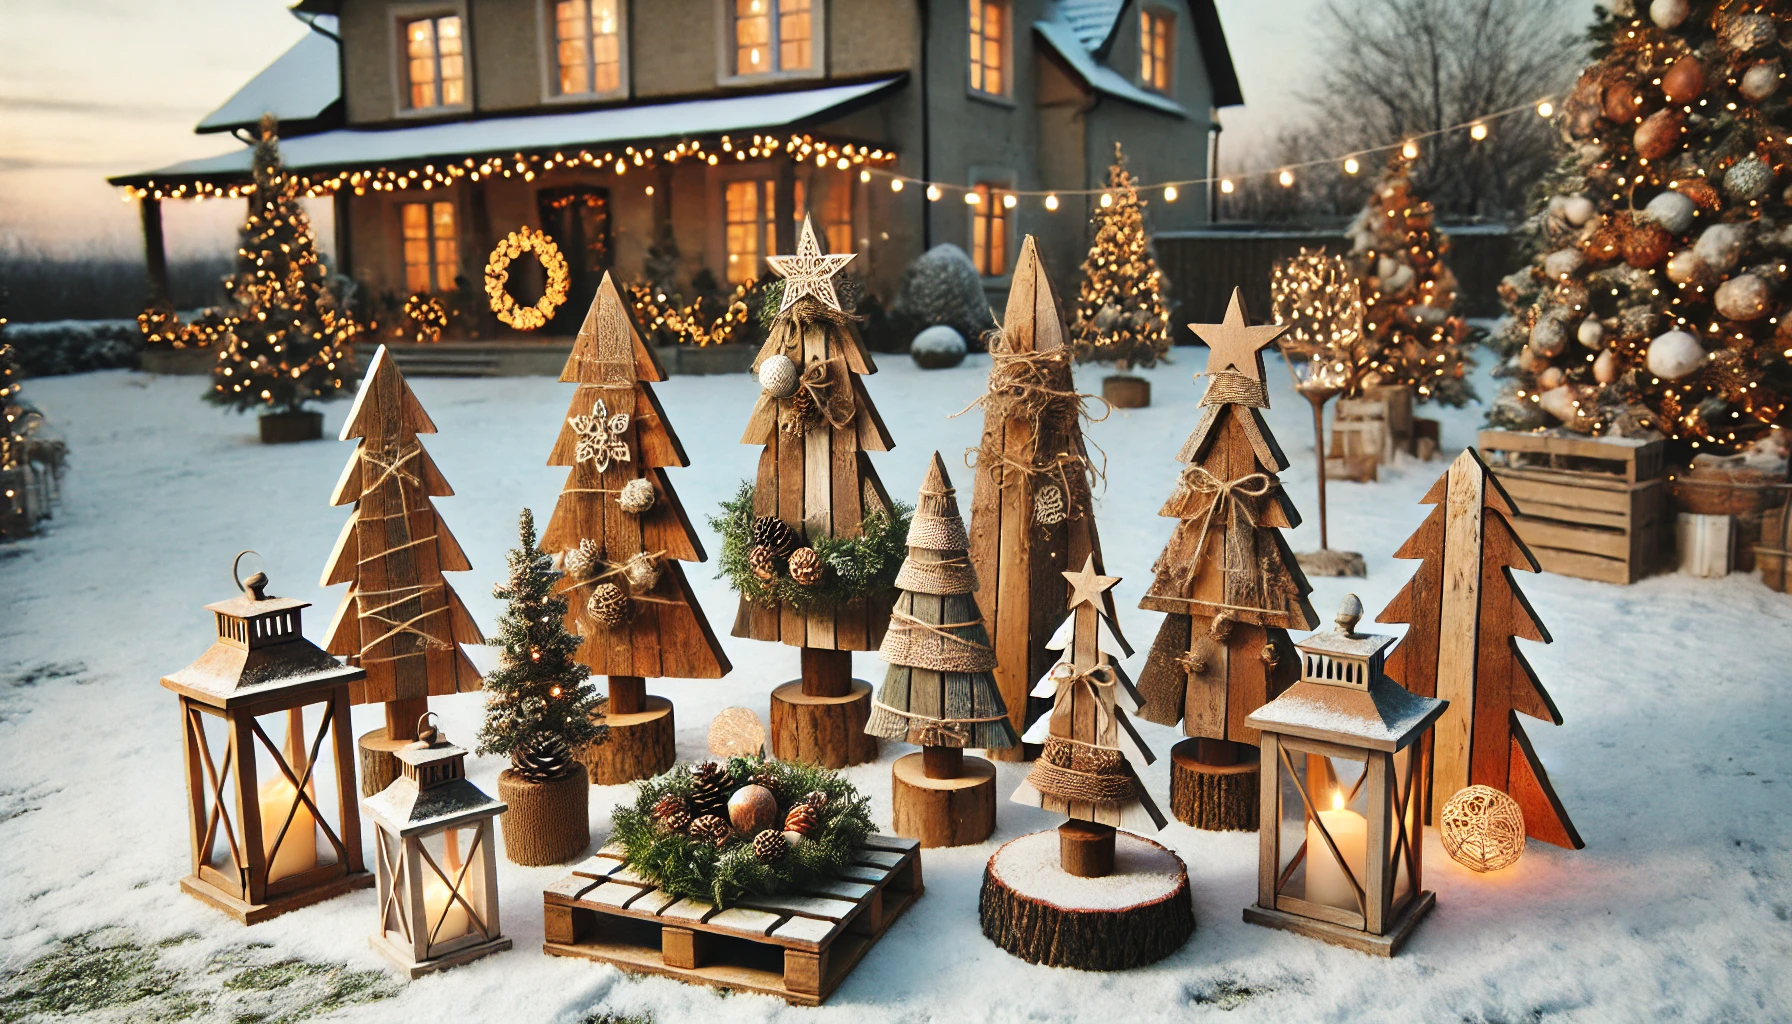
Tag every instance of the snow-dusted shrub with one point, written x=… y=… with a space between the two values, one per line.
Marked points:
x=75 y=346
x=937 y=348
x=942 y=286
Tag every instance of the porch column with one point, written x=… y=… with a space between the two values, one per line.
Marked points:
x=155 y=250
x=784 y=206
x=341 y=207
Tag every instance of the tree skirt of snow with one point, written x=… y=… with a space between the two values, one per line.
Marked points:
x=1143 y=871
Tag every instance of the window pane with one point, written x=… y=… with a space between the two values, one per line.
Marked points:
x=448 y=44
x=447 y=245
x=837 y=213
x=794 y=34
x=606 y=46
x=420 y=51
x=569 y=45
x=752 y=36
x=998 y=235
x=1155 y=41
x=741 y=203
x=416 y=220
x=988 y=23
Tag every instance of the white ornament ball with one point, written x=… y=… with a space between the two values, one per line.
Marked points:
x=1386 y=266
x=1552 y=378
x=1674 y=355
x=1720 y=247
x=1683 y=265
x=1558 y=402
x=1748 y=178
x=1398 y=281
x=1761 y=81
x=1668 y=13
x=1605 y=368
x=1672 y=211
x=1591 y=333
x=637 y=496
x=1751 y=32
x=1549 y=336
x=778 y=376
x=1743 y=297
x=1562 y=263
x=1577 y=209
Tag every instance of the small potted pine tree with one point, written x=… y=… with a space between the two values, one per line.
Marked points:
x=1123 y=304
x=539 y=708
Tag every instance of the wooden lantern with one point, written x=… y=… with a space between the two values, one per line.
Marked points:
x=438 y=871
x=262 y=843
x=1342 y=768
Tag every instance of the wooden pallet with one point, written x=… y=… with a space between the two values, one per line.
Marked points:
x=797 y=947
x=1623 y=458
x=1594 y=509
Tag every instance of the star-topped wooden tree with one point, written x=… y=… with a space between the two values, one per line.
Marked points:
x=620 y=534
x=1464 y=612
x=400 y=620
x=815 y=554
x=1228 y=584
x=1032 y=510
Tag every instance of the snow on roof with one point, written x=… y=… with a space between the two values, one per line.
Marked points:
x=1091 y=20
x=1062 y=37
x=349 y=148
x=299 y=86
x=1385 y=717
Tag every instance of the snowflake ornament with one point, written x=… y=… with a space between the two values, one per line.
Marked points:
x=600 y=437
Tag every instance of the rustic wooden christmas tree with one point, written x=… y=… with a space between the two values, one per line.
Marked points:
x=1032 y=517
x=620 y=532
x=825 y=542
x=1229 y=585
x=1464 y=611
x=400 y=620
x=940 y=692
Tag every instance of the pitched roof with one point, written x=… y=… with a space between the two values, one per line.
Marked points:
x=1091 y=20
x=299 y=86
x=1080 y=31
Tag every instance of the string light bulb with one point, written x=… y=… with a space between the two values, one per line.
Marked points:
x=1546 y=109
x=1051 y=202
x=1351 y=166
x=933 y=193
x=1410 y=149
x=1286 y=178
x=970 y=198
x=1477 y=131
x=1008 y=201
x=1226 y=186
x=1170 y=193
x=895 y=184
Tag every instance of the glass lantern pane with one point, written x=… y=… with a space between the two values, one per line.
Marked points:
x=306 y=844
x=216 y=819
x=1337 y=801
x=447 y=918
x=1406 y=837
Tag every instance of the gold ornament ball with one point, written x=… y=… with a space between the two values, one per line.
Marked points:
x=1483 y=829
x=753 y=809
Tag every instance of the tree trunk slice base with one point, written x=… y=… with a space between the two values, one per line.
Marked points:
x=291 y=427
x=1331 y=562
x=1216 y=798
x=825 y=731
x=1386 y=944
x=943 y=812
x=379 y=768
x=1124 y=391
x=548 y=822
x=1138 y=915
x=639 y=745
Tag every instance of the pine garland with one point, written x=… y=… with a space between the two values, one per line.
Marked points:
x=857 y=566
x=696 y=869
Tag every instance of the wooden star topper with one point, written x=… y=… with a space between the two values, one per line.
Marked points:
x=1087 y=585
x=1235 y=344
x=809 y=272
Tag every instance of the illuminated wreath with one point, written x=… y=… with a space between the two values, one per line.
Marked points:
x=497 y=275
x=427 y=315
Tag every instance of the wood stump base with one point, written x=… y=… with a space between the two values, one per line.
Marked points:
x=291 y=427
x=379 y=768
x=1214 y=797
x=943 y=812
x=1125 y=391
x=548 y=822
x=639 y=745
x=826 y=731
x=1137 y=915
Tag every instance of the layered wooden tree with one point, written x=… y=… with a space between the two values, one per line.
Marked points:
x=816 y=485
x=620 y=534
x=940 y=692
x=400 y=620
x=1032 y=514
x=1464 y=612
x=1229 y=585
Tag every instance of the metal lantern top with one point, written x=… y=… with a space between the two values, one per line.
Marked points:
x=1343 y=695
x=431 y=792
x=260 y=652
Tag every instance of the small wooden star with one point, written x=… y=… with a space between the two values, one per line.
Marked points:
x=1087 y=584
x=1235 y=344
x=809 y=272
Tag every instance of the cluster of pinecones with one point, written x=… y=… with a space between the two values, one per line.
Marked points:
x=774 y=539
x=704 y=816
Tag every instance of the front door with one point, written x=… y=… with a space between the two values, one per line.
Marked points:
x=577 y=218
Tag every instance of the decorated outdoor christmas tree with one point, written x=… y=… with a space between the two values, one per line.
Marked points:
x=1654 y=300
x=1123 y=306
x=1032 y=511
x=620 y=533
x=400 y=620
x=814 y=545
x=1412 y=336
x=1228 y=584
x=1459 y=646
x=30 y=460
x=287 y=338
x=940 y=692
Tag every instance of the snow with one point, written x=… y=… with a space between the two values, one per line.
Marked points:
x=1143 y=871
x=1673 y=759
x=299 y=86
x=1063 y=38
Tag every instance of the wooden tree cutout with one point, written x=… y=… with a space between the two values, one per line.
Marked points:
x=1465 y=612
x=1032 y=514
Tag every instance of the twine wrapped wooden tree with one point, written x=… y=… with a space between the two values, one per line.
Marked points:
x=1032 y=514
x=1465 y=610
x=1229 y=585
x=816 y=484
x=400 y=620
x=940 y=692
x=620 y=532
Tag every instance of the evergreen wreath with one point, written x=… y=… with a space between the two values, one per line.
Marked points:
x=860 y=566
x=693 y=867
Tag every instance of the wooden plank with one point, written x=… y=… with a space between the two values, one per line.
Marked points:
x=1585 y=539
x=612 y=894
x=1270 y=808
x=653 y=901
x=869 y=874
x=808 y=906
x=1458 y=633
x=688 y=910
x=842 y=890
x=894 y=844
x=805 y=930
x=568 y=889
x=878 y=858
x=741 y=921
x=792 y=627
x=1586 y=567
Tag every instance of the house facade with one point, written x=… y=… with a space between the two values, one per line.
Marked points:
x=711 y=127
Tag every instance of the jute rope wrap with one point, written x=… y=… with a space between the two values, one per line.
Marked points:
x=384 y=608
x=946 y=576
x=825 y=388
x=1038 y=387
x=1241 y=514
x=912 y=642
x=937 y=523
x=925 y=730
x=1230 y=387
x=1083 y=772
x=1250 y=576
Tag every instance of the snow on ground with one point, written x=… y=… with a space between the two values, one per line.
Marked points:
x=1673 y=761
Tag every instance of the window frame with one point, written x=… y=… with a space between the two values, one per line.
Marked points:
x=1159 y=13
x=433 y=240
x=765 y=227
x=728 y=75
x=992 y=187
x=399 y=17
x=545 y=22
x=836 y=186
x=1006 y=95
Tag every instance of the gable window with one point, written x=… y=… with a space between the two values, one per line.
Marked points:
x=989 y=47
x=1157 y=41
x=435 y=62
x=431 y=247
x=747 y=211
x=773 y=35
x=989 y=229
x=831 y=210
x=588 y=46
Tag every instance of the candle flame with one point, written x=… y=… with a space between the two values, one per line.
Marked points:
x=1337 y=800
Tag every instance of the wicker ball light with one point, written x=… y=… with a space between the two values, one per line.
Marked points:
x=778 y=376
x=609 y=605
x=637 y=496
x=1483 y=829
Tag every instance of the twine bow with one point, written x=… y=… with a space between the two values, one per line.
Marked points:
x=1098 y=680
x=826 y=395
x=1198 y=480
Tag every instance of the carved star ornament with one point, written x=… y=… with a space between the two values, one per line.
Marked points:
x=809 y=272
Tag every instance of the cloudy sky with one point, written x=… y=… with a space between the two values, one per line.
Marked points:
x=96 y=87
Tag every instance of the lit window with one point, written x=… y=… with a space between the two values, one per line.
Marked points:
x=587 y=46
x=773 y=35
x=435 y=62
x=989 y=41
x=989 y=231
x=748 y=212
x=833 y=212
x=431 y=247
x=1157 y=41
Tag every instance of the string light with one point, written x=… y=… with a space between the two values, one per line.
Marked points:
x=1226 y=186
x=1477 y=131
x=1009 y=201
x=1107 y=200
x=1170 y=193
x=1051 y=202
x=895 y=184
x=970 y=198
x=1546 y=109
x=1351 y=166
x=933 y=193
x=1409 y=149
x=1286 y=178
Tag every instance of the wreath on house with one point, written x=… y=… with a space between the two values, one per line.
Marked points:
x=497 y=279
x=767 y=561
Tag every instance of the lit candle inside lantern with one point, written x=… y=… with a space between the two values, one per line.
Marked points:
x=1327 y=883
x=438 y=898
x=298 y=851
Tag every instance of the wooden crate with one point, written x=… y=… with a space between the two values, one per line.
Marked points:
x=1774 y=553
x=1588 y=507
x=797 y=947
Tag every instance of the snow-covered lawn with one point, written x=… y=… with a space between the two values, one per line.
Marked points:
x=1674 y=760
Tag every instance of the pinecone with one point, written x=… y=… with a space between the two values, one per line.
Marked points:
x=642 y=572
x=609 y=605
x=711 y=828
x=801 y=819
x=802 y=407
x=543 y=757
x=763 y=563
x=671 y=813
x=806 y=567
x=817 y=800
x=709 y=789
x=775 y=534
x=770 y=847
x=583 y=561
x=764 y=776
